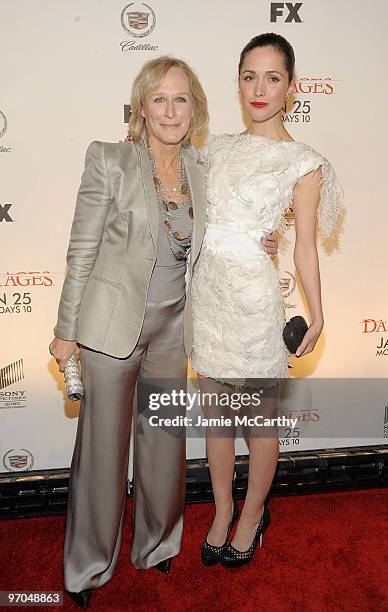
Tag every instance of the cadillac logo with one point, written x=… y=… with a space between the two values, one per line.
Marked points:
x=287 y=284
x=289 y=216
x=3 y=124
x=18 y=460
x=138 y=19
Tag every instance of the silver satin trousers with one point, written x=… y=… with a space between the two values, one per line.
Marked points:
x=99 y=467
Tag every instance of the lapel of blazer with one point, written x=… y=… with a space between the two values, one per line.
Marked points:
x=151 y=197
x=196 y=179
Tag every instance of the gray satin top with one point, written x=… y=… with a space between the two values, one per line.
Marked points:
x=168 y=276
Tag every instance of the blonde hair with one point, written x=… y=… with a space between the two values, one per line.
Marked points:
x=149 y=78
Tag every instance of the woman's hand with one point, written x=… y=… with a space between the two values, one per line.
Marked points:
x=270 y=245
x=62 y=350
x=310 y=339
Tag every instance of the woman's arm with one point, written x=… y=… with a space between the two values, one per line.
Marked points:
x=93 y=203
x=305 y=205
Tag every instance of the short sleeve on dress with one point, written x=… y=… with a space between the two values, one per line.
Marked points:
x=211 y=146
x=206 y=151
x=331 y=193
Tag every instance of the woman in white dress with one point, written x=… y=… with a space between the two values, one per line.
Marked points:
x=238 y=313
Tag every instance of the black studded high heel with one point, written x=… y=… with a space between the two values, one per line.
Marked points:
x=231 y=557
x=210 y=555
x=82 y=598
x=164 y=566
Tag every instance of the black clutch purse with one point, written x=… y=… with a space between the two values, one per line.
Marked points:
x=293 y=332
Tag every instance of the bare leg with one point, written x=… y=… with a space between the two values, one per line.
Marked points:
x=221 y=458
x=263 y=457
x=220 y=454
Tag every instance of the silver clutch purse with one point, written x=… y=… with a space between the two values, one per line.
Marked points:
x=73 y=381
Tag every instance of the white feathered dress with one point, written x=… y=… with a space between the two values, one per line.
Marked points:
x=238 y=313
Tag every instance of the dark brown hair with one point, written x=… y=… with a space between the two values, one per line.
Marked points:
x=277 y=42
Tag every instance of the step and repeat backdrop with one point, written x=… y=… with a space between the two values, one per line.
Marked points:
x=66 y=76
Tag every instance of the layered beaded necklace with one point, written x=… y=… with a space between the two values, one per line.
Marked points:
x=178 y=241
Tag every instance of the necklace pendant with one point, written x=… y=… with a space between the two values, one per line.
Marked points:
x=181 y=236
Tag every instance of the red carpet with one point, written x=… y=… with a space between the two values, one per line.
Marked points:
x=322 y=553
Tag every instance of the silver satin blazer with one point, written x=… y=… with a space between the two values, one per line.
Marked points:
x=113 y=247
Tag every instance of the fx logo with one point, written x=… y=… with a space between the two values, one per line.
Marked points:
x=4 y=214
x=293 y=9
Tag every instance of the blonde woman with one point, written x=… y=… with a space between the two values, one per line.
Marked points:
x=122 y=311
